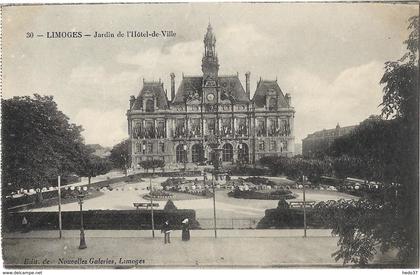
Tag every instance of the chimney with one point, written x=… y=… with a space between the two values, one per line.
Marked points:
x=288 y=99
x=247 y=89
x=172 y=86
x=132 y=100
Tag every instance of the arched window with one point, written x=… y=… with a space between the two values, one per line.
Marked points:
x=150 y=105
x=197 y=153
x=227 y=152
x=181 y=153
x=243 y=153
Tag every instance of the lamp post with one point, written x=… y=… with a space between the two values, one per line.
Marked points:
x=60 y=226
x=82 y=245
x=151 y=206
x=304 y=179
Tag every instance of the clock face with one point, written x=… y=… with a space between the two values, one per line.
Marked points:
x=210 y=97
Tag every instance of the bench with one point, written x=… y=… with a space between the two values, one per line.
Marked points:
x=299 y=204
x=144 y=204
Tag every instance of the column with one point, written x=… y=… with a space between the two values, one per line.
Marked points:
x=166 y=128
x=233 y=127
x=266 y=126
x=204 y=127
x=154 y=125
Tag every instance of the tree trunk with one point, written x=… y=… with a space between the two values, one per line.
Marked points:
x=40 y=198
x=89 y=178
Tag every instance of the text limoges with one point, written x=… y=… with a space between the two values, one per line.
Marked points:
x=64 y=34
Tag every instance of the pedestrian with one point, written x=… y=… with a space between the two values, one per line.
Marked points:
x=185 y=230
x=25 y=226
x=166 y=229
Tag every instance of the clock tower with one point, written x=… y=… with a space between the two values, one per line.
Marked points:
x=210 y=68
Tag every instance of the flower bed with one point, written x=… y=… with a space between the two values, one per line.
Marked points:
x=252 y=194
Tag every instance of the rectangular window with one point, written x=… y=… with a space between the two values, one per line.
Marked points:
x=273 y=145
x=226 y=127
x=150 y=129
x=160 y=130
x=241 y=129
x=195 y=127
x=150 y=148
x=261 y=146
x=261 y=127
x=272 y=126
x=180 y=128
x=162 y=147
x=211 y=126
x=283 y=146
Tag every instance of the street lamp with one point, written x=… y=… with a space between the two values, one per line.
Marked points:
x=304 y=179
x=215 y=173
x=82 y=245
x=151 y=206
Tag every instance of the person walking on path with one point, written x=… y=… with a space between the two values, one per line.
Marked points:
x=166 y=229
x=185 y=230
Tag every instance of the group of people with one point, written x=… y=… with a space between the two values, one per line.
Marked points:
x=166 y=229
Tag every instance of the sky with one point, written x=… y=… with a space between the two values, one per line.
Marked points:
x=329 y=56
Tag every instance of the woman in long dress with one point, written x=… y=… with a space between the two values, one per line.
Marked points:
x=185 y=230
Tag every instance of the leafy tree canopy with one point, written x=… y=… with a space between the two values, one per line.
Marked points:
x=38 y=142
x=121 y=155
x=384 y=149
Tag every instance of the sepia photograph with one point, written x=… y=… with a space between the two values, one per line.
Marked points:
x=276 y=135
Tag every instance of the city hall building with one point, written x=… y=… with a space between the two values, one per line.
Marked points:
x=210 y=111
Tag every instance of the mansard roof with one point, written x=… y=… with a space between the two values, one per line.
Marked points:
x=189 y=84
x=263 y=88
x=154 y=88
x=233 y=84
x=193 y=84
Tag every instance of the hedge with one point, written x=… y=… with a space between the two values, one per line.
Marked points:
x=101 y=219
x=289 y=218
x=251 y=194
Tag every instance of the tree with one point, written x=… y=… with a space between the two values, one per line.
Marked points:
x=388 y=149
x=121 y=155
x=38 y=142
x=94 y=166
x=152 y=164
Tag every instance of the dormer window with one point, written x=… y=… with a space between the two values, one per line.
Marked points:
x=272 y=104
x=150 y=105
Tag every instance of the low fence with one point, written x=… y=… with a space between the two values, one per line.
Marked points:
x=233 y=223
x=100 y=219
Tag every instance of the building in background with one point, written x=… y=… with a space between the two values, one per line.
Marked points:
x=209 y=110
x=319 y=141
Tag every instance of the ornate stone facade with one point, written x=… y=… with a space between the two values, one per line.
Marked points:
x=207 y=111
